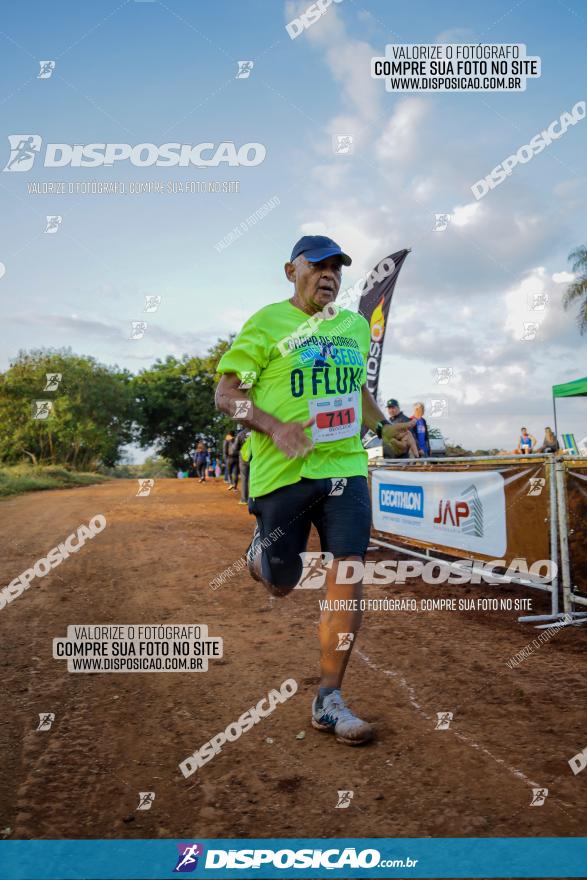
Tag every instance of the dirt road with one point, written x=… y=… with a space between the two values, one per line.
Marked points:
x=117 y=734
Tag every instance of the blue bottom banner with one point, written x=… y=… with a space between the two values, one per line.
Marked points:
x=454 y=857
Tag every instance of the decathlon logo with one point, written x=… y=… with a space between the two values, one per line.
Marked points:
x=465 y=514
x=405 y=500
x=25 y=147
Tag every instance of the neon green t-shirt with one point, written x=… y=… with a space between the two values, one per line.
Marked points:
x=297 y=367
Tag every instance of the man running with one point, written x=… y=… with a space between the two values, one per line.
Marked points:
x=308 y=465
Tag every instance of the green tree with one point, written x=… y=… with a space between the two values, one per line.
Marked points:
x=576 y=292
x=90 y=418
x=175 y=405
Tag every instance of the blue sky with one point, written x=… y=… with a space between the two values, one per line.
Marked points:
x=165 y=72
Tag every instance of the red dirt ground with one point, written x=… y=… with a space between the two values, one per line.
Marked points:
x=117 y=734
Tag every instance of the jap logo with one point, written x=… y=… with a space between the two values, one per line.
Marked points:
x=23 y=151
x=187 y=859
x=466 y=514
x=315 y=566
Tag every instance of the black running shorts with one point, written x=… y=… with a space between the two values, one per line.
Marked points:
x=339 y=508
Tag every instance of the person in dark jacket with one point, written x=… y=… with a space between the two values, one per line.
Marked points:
x=396 y=416
x=201 y=460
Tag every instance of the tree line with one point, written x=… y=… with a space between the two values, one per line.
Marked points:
x=85 y=413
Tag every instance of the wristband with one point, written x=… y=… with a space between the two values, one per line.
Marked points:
x=379 y=428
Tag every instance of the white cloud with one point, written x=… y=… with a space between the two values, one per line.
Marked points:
x=563 y=277
x=464 y=215
x=402 y=136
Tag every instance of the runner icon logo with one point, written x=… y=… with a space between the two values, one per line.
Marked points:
x=23 y=151
x=146 y=799
x=342 y=144
x=244 y=69
x=345 y=641
x=444 y=719
x=441 y=222
x=537 y=484
x=315 y=565
x=187 y=860
x=42 y=409
x=443 y=375
x=53 y=223
x=539 y=795
x=138 y=329
x=529 y=331
x=248 y=378
x=344 y=800
x=438 y=407
x=46 y=719
x=338 y=485
x=152 y=303
x=242 y=408
x=53 y=380
x=47 y=68
x=145 y=487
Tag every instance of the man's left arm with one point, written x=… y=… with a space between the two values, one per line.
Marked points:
x=372 y=416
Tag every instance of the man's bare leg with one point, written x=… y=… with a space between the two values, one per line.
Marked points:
x=333 y=663
x=329 y=711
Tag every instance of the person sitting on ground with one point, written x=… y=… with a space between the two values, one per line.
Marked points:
x=526 y=443
x=550 y=443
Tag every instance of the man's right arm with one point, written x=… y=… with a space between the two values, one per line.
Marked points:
x=289 y=437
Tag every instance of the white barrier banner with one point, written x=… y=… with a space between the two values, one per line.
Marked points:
x=461 y=510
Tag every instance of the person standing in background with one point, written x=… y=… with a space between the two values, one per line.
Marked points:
x=201 y=461
x=230 y=451
x=420 y=430
x=244 y=447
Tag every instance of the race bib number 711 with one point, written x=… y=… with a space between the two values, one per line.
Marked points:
x=336 y=418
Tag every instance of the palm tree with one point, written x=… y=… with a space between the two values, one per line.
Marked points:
x=577 y=290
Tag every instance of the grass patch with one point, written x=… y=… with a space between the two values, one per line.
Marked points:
x=16 y=479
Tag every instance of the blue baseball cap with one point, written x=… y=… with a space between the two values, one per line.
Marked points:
x=318 y=247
